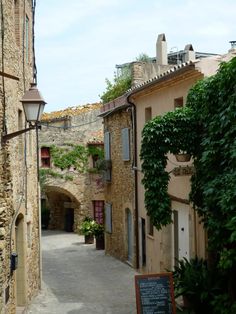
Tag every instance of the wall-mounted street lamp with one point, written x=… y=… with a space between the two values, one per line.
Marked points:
x=33 y=105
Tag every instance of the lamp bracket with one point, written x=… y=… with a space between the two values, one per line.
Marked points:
x=9 y=136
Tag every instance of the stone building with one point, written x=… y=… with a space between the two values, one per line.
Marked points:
x=19 y=189
x=71 y=193
x=157 y=87
x=119 y=182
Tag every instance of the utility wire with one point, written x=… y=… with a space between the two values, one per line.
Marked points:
x=76 y=126
x=68 y=127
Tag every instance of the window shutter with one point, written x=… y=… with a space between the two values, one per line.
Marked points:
x=108 y=217
x=125 y=144
x=107 y=145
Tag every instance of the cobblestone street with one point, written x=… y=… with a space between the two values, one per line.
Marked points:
x=77 y=278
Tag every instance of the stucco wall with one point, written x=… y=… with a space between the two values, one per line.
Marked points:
x=159 y=247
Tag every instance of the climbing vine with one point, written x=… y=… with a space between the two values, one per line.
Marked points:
x=174 y=132
x=214 y=183
x=67 y=156
x=70 y=156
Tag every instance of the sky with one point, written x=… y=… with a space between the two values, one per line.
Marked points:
x=78 y=43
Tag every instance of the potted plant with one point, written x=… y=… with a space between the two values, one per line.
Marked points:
x=98 y=230
x=87 y=229
x=192 y=281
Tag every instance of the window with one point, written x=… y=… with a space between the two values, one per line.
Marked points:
x=108 y=217
x=95 y=158
x=45 y=157
x=107 y=146
x=178 y=102
x=148 y=114
x=98 y=211
x=150 y=227
x=17 y=21
x=96 y=153
x=107 y=155
x=125 y=144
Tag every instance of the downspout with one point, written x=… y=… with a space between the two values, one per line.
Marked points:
x=37 y=153
x=134 y=167
x=39 y=209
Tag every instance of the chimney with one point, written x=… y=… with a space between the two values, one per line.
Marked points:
x=189 y=53
x=161 y=50
x=233 y=46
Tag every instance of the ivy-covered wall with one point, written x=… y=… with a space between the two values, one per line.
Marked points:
x=207 y=130
x=70 y=174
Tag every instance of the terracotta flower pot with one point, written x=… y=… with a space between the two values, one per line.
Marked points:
x=183 y=157
x=89 y=239
x=100 y=243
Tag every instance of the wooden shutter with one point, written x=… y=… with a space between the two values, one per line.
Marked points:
x=125 y=144
x=107 y=146
x=108 y=217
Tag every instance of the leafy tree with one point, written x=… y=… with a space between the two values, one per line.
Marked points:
x=143 y=57
x=121 y=82
x=120 y=85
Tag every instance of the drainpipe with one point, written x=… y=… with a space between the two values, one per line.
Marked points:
x=39 y=210
x=134 y=166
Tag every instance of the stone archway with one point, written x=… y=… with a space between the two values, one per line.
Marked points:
x=65 y=213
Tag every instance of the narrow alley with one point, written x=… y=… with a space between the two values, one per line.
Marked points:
x=77 y=278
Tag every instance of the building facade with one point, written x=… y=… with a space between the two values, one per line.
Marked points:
x=157 y=88
x=19 y=188
x=121 y=220
x=74 y=189
x=185 y=237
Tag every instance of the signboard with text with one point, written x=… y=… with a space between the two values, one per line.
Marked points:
x=155 y=294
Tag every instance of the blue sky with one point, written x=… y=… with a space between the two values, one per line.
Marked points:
x=79 y=42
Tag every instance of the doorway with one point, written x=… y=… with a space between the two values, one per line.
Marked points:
x=20 y=271
x=69 y=219
x=129 y=235
x=181 y=234
x=143 y=241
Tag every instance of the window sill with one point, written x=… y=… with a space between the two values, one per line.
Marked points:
x=151 y=237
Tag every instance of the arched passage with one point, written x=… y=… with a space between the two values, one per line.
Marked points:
x=64 y=209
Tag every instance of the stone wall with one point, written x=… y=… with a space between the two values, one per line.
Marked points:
x=143 y=71
x=120 y=191
x=78 y=126
x=18 y=172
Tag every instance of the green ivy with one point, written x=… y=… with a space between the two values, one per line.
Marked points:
x=74 y=156
x=44 y=173
x=174 y=132
x=214 y=182
x=70 y=155
x=96 y=151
